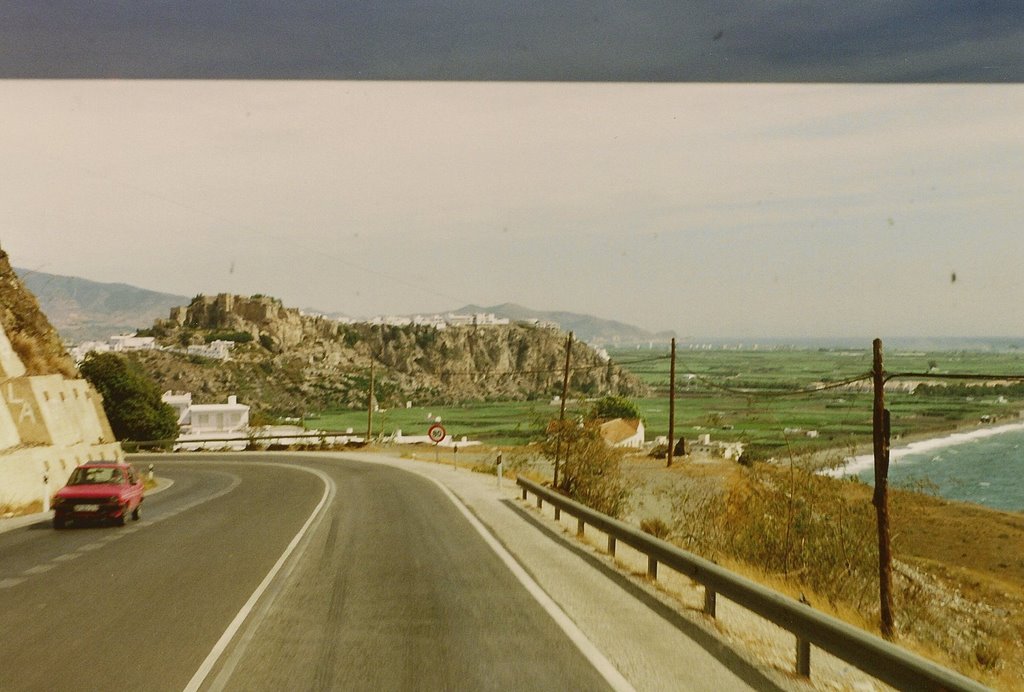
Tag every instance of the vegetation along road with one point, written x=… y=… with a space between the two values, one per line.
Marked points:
x=299 y=572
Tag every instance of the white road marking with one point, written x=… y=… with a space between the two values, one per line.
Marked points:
x=39 y=569
x=597 y=659
x=8 y=583
x=92 y=546
x=222 y=644
x=66 y=557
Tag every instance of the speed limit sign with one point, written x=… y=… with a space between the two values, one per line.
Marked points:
x=436 y=433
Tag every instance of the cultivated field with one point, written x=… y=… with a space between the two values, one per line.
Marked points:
x=759 y=397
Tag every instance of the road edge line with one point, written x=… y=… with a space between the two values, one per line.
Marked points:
x=586 y=647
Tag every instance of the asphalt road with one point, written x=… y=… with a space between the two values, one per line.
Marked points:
x=387 y=587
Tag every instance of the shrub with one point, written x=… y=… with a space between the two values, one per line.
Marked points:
x=614 y=407
x=130 y=399
x=656 y=527
x=789 y=522
x=590 y=469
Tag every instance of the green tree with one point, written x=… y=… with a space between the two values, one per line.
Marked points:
x=131 y=400
x=614 y=407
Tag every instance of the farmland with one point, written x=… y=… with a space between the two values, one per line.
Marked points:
x=760 y=397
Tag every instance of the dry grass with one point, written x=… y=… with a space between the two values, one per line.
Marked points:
x=959 y=575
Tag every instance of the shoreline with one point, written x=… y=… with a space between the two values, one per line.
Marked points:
x=862 y=462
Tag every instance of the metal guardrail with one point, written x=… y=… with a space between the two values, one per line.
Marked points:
x=883 y=660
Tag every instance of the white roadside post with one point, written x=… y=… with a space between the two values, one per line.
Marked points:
x=46 y=492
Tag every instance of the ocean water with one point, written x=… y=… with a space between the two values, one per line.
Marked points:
x=984 y=466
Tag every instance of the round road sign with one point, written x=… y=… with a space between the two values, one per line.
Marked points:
x=436 y=432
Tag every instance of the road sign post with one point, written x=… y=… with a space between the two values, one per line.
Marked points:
x=436 y=433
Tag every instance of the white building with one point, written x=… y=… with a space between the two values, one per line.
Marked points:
x=118 y=343
x=218 y=350
x=623 y=432
x=205 y=419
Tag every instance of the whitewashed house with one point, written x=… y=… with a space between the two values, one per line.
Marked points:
x=209 y=426
x=623 y=432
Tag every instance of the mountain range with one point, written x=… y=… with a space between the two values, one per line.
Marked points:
x=81 y=310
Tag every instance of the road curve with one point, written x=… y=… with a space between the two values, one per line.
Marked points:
x=388 y=588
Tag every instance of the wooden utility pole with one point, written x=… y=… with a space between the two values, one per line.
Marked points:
x=672 y=405
x=369 y=406
x=561 y=412
x=880 y=499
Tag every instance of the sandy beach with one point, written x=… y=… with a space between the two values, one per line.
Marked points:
x=862 y=462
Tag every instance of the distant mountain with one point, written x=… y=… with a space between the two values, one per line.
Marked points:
x=81 y=309
x=593 y=330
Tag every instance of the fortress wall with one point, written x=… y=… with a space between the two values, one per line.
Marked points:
x=22 y=470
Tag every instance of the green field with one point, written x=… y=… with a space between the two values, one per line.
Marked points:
x=760 y=397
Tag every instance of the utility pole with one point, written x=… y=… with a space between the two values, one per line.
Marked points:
x=561 y=412
x=880 y=499
x=369 y=405
x=672 y=405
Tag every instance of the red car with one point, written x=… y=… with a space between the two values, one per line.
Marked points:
x=98 y=491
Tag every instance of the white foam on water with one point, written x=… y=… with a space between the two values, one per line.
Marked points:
x=863 y=462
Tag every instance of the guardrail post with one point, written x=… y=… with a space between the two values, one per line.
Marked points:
x=579 y=527
x=803 y=658
x=611 y=545
x=710 y=602
x=558 y=513
x=524 y=493
x=540 y=502
x=652 y=567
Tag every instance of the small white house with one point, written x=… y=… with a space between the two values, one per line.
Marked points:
x=623 y=432
x=193 y=418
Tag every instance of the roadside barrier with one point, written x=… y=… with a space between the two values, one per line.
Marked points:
x=875 y=656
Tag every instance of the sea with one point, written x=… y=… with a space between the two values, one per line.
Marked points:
x=984 y=466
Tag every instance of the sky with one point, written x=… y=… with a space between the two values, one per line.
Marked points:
x=714 y=167
x=729 y=209
x=561 y=40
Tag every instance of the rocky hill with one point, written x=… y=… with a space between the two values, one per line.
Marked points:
x=50 y=420
x=32 y=337
x=287 y=363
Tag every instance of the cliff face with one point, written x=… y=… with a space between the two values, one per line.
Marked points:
x=296 y=363
x=31 y=335
x=50 y=421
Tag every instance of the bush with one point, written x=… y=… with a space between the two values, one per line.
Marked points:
x=590 y=469
x=788 y=522
x=614 y=407
x=656 y=527
x=130 y=399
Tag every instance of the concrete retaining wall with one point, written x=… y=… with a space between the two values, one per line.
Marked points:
x=48 y=426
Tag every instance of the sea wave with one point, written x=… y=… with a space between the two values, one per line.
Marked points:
x=863 y=462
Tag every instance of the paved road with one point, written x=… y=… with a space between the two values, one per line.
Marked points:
x=389 y=587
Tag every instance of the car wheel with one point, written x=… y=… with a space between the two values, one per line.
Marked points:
x=123 y=518
x=137 y=512
x=59 y=522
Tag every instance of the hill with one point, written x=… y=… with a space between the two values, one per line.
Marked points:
x=593 y=330
x=286 y=363
x=81 y=310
